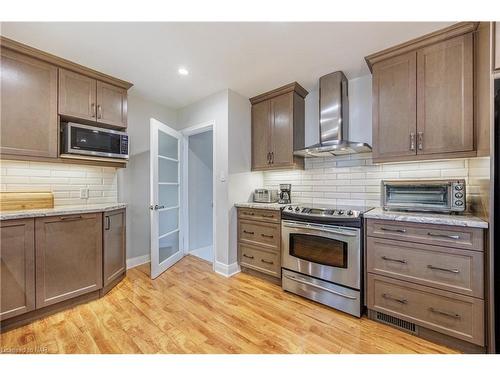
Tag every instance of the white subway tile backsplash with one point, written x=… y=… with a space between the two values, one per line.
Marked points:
x=355 y=180
x=64 y=180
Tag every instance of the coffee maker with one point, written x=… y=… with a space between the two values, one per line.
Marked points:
x=285 y=193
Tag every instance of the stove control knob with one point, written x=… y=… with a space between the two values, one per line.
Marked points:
x=297 y=209
x=350 y=213
x=340 y=212
x=290 y=208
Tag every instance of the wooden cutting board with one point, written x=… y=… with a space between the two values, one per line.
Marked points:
x=26 y=200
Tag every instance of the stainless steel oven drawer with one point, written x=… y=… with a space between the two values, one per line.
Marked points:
x=333 y=295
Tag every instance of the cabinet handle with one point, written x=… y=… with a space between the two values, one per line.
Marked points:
x=412 y=141
x=272 y=157
x=247 y=232
x=399 y=300
x=393 y=230
x=451 y=236
x=440 y=312
x=99 y=111
x=420 y=140
x=70 y=218
x=264 y=215
x=92 y=110
x=394 y=260
x=267 y=235
x=248 y=256
x=268 y=158
x=266 y=261
x=452 y=270
x=248 y=213
x=108 y=223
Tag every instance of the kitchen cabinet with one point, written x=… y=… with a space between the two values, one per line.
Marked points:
x=496 y=45
x=429 y=277
x=114 y=254
x=423 y=95
x=28 y=106
x=278 y=128
x=68 y=257
x=17 y=276
x=91 y=100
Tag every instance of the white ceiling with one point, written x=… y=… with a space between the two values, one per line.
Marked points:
x=249 y=58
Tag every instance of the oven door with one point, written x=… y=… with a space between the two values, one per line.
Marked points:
x=90 y=140
x=328 y=252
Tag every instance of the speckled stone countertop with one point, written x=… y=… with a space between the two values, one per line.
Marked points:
x=263 y=206
x=63 y=210
x=461 y=220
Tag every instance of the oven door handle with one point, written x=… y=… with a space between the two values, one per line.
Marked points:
x=320 y=228
x=319 y=287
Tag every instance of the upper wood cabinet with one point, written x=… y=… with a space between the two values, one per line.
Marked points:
x=85 y=98
x=423 y=95
x=28 y=106
x=17 y=273
x=278 y=128
x=68 y=257
x=114 y=254
x=496 y=45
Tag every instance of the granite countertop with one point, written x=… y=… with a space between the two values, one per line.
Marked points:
x=462 y=220
x=62 y=210
x=263 y=206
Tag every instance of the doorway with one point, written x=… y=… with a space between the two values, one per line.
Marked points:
x=199 y=191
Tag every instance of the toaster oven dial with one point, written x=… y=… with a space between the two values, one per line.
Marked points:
x=459 y=203
x=459 y=187
x=459 y=195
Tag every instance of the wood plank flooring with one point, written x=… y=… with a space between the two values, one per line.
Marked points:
x=191 y=309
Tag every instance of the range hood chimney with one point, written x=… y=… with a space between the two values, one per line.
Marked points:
x=333 y=120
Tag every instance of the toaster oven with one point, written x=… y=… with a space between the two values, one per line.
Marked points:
x=424 y=195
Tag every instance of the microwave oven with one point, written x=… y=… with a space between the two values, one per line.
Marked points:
x=424 y=195
x=85 y=140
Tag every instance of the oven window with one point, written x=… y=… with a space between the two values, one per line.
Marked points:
x=435 y=195
x=318 y=249
x=93 y=140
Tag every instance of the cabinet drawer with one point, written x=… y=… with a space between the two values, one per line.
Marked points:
x=259 y=233
x=442 y=235
x=449 y=313
x=266 y=261
x=458 y=271
x=258 y=214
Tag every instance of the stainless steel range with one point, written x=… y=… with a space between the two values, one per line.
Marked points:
x=322 y=254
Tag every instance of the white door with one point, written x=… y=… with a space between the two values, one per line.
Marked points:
x=165 y=197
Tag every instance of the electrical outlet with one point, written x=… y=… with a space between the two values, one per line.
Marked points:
x=84 y=193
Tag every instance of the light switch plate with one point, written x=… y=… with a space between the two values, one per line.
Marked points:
x=84 y=193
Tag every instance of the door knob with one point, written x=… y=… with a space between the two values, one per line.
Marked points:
x=156 y=207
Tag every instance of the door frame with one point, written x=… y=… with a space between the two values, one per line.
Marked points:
x=187 y=132
x=154 y=127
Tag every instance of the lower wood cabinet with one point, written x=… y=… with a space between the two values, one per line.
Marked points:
x=114 y=254
x=17 y=272
x=68 y=257
x=259 y=241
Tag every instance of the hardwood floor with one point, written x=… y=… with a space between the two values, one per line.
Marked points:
x=190 y=309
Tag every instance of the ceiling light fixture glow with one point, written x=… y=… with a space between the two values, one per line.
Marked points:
x=183 y=71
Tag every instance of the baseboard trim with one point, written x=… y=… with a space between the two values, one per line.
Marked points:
x=226 y=270
x=137 y=261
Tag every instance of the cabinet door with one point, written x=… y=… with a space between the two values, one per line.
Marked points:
x=497 y=45
x=282 y=130
x=111 y=105
x=394 y=107
x=77 y=95
x=444 y=97
x=68 y=257
x=260 y=135
x=28 y=106
x=114 y=245
x=17 y=277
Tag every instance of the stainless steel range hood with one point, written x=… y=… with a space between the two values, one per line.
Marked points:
x=333 y=120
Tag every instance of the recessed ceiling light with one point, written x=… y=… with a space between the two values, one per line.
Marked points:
x=183 y=71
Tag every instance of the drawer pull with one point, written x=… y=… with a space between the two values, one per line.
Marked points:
x=69 y=218
x=249 y=213
x=248 y=232
x=440 y=312
x=266 y=261
x=399 y=300
x=394 y=260
x=393 y=230
x=267 y=235
x=452 y=270
x=264 y=215
x=248 y=256
x=451 y=236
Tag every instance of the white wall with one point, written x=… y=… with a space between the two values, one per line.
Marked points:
x=200 y=177
x=133 y=181
x=360 y=112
